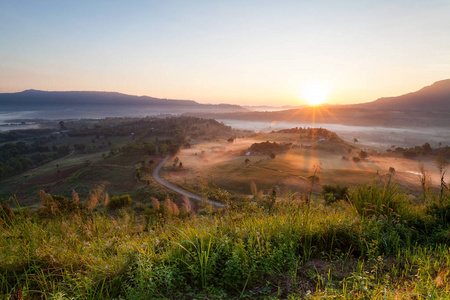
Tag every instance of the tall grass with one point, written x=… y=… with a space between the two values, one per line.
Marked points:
x=375 y=200
x=338 y=250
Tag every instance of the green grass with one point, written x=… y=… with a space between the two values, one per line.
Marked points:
x=249 y=250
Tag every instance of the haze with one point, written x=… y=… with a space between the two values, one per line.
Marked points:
x=252 y=53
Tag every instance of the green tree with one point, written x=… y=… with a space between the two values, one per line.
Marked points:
x=150 y=148
x=162 y=149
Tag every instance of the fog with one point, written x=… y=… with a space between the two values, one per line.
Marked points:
x=225 y=164
x=35 y=117
x=374 y=137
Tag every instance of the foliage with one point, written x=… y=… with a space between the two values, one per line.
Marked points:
x=425 y=149
x=313 y=132
x=269 y=148
x=333 y=193
x=16 y=158
x=119 y=201
x=58 y=205
x=363 y=154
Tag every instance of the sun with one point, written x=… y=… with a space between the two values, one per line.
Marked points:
x=315 y=92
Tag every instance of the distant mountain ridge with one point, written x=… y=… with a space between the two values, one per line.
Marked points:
x=428 y=107
x=73 y=98
x=435 y=97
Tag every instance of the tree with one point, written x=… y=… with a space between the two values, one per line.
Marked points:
x=62 y=126
x=162 y=149
x=355 y=140
x=272 y=155
x=150 y=148
x=363 y=154
x=426 y=148
x=441 y=163
x=175 y=162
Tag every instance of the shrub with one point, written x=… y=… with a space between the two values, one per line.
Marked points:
x=356 y=159
x=333 y=193
x=119 y=201
x=57 y=204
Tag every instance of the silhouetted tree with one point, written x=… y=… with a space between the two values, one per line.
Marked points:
x=62 y=126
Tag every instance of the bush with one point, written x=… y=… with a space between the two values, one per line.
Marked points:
x=119 y=201
x=333 y=193
x=57 y=204
x=66 y=205
x=356 y=159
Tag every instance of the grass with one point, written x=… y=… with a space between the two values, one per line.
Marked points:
x=290 y=250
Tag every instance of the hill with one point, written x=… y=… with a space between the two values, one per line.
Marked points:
x=23 y=100
x=435 y=97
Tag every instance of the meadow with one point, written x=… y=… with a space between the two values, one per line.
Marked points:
x=376 y=245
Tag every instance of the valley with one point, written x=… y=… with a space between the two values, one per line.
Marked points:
x=228 y=208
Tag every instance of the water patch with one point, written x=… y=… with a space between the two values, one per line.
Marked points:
x=414 y=172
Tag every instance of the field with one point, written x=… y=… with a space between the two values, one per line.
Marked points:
x=225 y=164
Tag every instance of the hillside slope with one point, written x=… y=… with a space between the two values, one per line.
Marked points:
x=435 y=97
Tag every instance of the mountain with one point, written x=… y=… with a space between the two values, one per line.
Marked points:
x=435 y=97
x=428 y=107
x=35 y=98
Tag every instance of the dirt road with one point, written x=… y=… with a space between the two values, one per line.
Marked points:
x=178 y=189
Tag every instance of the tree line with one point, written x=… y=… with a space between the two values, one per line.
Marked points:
x=16 y=158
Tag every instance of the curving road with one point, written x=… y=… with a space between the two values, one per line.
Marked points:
x=178 y=189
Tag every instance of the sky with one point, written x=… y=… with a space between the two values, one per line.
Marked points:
x=238 y=52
